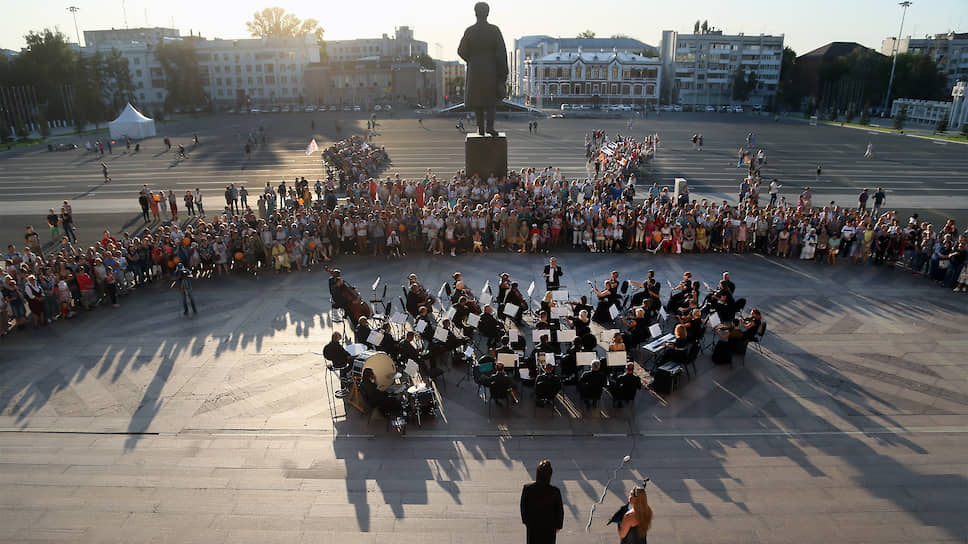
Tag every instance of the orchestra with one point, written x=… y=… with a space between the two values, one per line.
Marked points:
x=534 y=345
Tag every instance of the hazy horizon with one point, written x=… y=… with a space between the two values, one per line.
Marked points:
x=441 y=24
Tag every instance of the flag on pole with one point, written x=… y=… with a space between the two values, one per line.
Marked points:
x=312 y=147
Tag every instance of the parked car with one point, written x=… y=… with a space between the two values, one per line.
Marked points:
x=711 y=109
x=347 y=108
x=309 y=108
x=565 y=107
x=676 y=107
x=737 y=109
x=387 y=108
x=356 y=108
x=378 y=108
x=667 y=107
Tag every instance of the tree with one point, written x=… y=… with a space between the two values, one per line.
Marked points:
x=751 y=82
x=695 y=28
x=964 y=130
x=900 y=117
x=942 y=125
x=586 y=34
x=741 y=90
x=620 y=37
x=276 y=23
x=425 y=61
x=321 y=43
x=705 y=27
x=182 y=75
x=455 y=86
x=649 y=52
x=865 y=115
x=850 y=114
x=46 y=64
x=787 y=95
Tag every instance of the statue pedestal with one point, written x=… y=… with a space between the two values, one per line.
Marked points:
x=484 y=155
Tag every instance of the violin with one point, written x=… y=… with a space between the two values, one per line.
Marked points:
x=355 y=307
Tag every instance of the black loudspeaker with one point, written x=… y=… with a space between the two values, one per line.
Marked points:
x=666 y=378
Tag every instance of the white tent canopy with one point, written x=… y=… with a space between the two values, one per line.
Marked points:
x=133 y=124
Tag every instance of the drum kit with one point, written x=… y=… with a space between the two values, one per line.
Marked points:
x=416 y=396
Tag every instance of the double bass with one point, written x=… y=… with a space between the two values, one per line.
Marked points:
x=355 y=306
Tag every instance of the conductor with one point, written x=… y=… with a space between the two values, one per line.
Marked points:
x=542 y=511
x=552 y=275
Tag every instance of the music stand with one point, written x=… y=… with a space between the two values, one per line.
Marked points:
x=469 y=367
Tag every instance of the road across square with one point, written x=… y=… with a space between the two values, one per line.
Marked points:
x=919 y=175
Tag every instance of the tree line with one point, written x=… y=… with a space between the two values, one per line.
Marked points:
x=50 y=80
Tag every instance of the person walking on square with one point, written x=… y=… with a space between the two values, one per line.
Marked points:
x=183 y=280
x=104 y=170
x=198 y=202
x=542 y=510
x=862 y=201
x=869 y=154
x=879 y=199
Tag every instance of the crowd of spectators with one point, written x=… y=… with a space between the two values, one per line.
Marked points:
x=534 y=210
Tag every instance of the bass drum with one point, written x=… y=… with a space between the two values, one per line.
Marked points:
x=382 y=365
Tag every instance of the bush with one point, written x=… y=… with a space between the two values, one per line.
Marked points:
x=942 y=125
x=4 y=132
x=865 y=116
x=832 y=115
x=850 y=115
x=900 y=117
x=964 y=130
x=159 y=115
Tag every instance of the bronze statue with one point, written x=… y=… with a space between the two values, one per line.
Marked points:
x=482 y=48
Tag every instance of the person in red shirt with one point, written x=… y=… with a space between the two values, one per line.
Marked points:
x=86 y=285
x=108 y=239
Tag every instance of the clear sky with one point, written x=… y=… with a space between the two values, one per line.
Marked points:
x=806 y=24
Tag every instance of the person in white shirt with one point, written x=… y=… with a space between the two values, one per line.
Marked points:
x=774 y=191
x=198 y=202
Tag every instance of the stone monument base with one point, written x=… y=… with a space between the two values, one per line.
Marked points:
x=484 y=155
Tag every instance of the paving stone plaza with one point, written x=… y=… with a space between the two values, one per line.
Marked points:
x=136 y=424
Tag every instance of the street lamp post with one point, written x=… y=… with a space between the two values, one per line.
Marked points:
x=74 y=10
x=897 y=49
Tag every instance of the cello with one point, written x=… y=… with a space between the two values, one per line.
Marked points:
x=355 y=306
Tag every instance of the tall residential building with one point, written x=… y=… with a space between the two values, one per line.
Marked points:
x=400 y=46
x=534 y=47
x=706 y=64
x=949 y=50
x=591 y=78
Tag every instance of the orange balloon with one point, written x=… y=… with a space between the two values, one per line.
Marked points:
x=176 y=260
x=186 y=241
x=300 y=201
x=238 y=256
x=403 y=227
x=171 y=264
x=312 y=245
x=609 y=220
x=157 y=198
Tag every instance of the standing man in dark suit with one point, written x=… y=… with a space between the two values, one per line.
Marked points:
x=552 y=275
x=542 y=511
x=482 y=48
